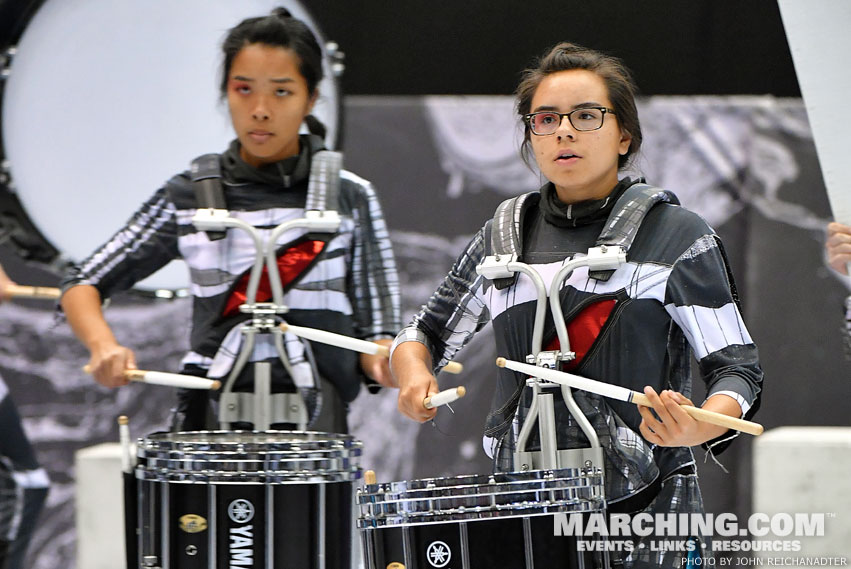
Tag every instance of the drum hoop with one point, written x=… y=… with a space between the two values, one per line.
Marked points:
x=498 y=498
x=471 y=515
x=239 y=479
x=570 y=478
x=489 y=492
x=482 y=479
x=275 y=436
x=271 y=467
x=204 y=442
x=249 y=457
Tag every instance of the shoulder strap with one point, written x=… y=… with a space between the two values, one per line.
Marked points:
x=206 y=174
x=506 y=233
x=323 y=188
x=626 y=218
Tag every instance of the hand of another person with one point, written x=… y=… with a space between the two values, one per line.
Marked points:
x=838 y=247
x=108 y=364
x=377 y=367
x=413 y=389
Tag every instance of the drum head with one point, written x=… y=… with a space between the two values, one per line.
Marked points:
x=105 y=101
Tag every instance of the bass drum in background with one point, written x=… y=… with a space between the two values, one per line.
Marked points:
x=103 y=102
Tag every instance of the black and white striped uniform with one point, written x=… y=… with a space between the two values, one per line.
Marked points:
x=675 y=295
x=351 y=288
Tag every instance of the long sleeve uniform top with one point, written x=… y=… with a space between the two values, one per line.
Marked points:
x=673 y=297
x=348 y=285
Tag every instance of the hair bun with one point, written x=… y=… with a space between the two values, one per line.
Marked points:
x=281 y=12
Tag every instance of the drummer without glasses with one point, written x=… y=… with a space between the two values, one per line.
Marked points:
x=272 y=66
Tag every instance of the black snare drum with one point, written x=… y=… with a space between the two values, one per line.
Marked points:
x=272 y=500
x=479 y=522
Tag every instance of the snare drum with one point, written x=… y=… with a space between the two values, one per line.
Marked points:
x=479 y=522
x=272 y=499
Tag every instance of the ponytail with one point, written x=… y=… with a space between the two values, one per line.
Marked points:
x=315 y=126
x=282 y=13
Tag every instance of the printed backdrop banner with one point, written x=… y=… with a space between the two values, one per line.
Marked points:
x=441 y=166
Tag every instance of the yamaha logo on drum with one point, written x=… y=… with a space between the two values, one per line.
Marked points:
x=241 y=511
x=241 y=546
x=438 y=554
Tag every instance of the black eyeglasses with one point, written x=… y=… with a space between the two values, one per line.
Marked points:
x=582 y=119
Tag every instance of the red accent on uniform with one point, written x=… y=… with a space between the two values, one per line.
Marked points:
x=291 y=263
x=583 y=331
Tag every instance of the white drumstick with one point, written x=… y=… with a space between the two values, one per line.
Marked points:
x=444 y=397
x=624 y=394
x=21 y=291
x=124 y=440
x=349 y=343
x=168 y=379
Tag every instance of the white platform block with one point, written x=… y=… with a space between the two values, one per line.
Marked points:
x=805 y=470
x=99 y=508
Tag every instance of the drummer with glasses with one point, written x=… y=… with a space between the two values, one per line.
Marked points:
x=635 y=327
x=582 y=119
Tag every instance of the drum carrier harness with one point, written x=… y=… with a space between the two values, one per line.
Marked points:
x=322 y=221
x=503 y=260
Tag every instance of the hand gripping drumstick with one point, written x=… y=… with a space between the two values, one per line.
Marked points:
x=624 y=394
x=21 y=291
x=167 y=379
x=350 y=343
x=444 y=397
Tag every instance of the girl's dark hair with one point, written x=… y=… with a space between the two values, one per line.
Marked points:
x=615 y=75
x=279 y=29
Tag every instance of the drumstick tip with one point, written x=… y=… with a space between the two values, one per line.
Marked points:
x=284 y=326
x=216 y=385
x=123 y=420
x=461 y=391
x=500 y=362
x=369 y=477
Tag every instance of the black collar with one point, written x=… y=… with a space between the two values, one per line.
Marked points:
x=580 y=213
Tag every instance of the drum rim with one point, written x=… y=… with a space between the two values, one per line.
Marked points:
x=489 y=490
x=340 y=463
x=254 y=479
x=178 y=442
x=596 y=504
x=471 y=480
